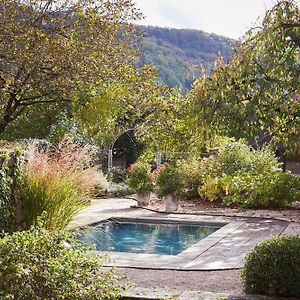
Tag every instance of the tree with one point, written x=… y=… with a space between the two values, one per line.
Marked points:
x=256 y=93
x=50 y=50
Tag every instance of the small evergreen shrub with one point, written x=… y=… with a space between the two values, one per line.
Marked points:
x=273 y=268
x=39 y=264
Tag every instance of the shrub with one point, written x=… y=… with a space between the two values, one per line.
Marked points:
x=117 y=175
x=237 y=157
x=273 y=268
x=118 y=189
x=234 y=157
x=273 y=190
x=11 y=163
x=189 y=170
x=38 y=264
x=56 y=181
x=168 y=181
x=139 y=179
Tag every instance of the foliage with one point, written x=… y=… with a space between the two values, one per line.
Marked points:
x=273 y=190
x=11 y=162
x=118 y=190
x=139 y=179
x=180 y=53
x=39 y=264
x=238 y=157
x=190 y=171
x=272 y=268
x=249 y=178
x=255 y=93
x=54 y=50
x=117 y=175
x=168 y=181
x=55 y=182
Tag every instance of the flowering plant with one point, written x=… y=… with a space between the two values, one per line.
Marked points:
x=167 y=180
x=139 y=179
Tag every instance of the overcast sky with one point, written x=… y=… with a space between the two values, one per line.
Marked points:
x=231 y=18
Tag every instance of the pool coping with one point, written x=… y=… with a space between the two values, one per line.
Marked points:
x=219 y=251
x=191 y=258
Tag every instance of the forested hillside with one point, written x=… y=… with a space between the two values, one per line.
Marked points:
x=179 y=54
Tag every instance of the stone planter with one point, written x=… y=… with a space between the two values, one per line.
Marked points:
x=171 y=203
x=143 y=198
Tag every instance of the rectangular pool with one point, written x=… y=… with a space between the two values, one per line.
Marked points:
x=144 y=236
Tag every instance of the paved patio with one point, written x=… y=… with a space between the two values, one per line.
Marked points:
x=224 y=249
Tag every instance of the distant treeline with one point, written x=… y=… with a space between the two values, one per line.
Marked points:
x=179 y=54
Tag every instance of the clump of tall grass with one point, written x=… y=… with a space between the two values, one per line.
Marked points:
x=56 y=181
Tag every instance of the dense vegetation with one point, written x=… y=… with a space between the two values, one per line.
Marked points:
x=46 y=267
x=181 y=54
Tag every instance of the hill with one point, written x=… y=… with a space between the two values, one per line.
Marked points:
x=179 y=54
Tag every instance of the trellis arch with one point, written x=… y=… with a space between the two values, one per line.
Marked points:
x=111 y=147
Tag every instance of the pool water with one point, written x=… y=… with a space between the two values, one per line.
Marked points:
x=140 y=237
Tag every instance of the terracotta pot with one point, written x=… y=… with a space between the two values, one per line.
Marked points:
x=143 y=198
x=171 y=203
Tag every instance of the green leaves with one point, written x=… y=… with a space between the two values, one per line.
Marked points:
x=51 y=51
x=38 y=264
x=252 y=94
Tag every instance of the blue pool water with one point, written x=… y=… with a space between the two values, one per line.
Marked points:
x=140 y=237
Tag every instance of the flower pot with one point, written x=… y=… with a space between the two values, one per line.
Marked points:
x=143 y=198
x=171 y=203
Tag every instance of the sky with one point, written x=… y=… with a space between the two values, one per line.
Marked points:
x=230 y=18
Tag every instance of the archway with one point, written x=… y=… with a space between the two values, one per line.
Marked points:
x=134 y=130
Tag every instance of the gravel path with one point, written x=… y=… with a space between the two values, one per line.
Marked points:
x=228 y=281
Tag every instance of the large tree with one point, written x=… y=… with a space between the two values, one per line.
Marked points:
x=255 y=93
x=53 y=50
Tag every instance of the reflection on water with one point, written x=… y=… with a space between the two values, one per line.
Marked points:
x=168 y=239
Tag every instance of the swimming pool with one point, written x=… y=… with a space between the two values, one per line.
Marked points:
x=144 y=236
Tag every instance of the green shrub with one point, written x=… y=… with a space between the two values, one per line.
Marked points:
x=273 y=190
x=234 y=157
x=212 y=189
x=11 y=170
x=140 y=179
x=240 y=175
x=237 y=157
x=117 y=175
x=189 y=170
x=118 y=190
x=38 y=264
x=273 y=268
x=168 y=181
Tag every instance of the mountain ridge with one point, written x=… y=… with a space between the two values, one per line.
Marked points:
x=180 y=54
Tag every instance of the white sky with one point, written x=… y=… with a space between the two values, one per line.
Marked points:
x=231 y=18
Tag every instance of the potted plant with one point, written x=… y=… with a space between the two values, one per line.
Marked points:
x=168 y=185
x=140 y=182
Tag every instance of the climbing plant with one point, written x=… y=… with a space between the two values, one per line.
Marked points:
x=10 y=177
